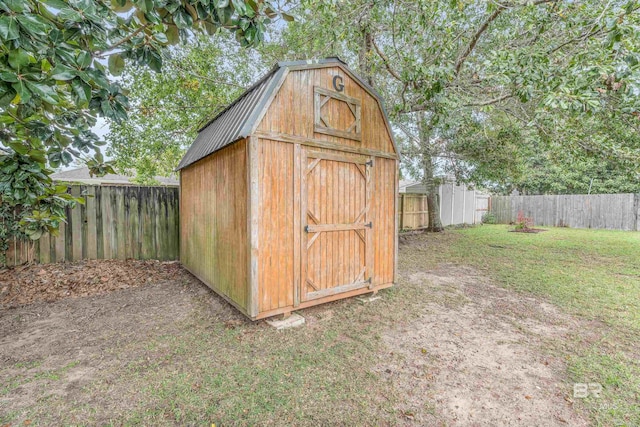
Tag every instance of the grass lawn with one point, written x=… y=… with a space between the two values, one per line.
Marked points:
x=594 y=274
x=174 y=354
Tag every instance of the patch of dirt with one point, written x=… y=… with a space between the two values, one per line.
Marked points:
x=53 y=282
x=527 y=230
x=53 y=350
x=476 y=358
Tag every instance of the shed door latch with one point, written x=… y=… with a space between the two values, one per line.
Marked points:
x=306 y=228
x=369 y=224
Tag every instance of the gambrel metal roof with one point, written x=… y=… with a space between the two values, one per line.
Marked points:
x=240 y=118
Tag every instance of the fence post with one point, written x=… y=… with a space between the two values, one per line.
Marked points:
x=453 y=197
x=402 y=211
x=636 y=210
x=439 y=201
x=464 y=203
x=475 y=207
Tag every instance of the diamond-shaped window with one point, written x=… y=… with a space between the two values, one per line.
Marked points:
x=337 y=114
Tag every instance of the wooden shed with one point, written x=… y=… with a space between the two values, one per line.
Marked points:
x=288 y=196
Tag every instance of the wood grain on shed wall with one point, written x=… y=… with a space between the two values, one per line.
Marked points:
x=275 y=263
x=213 y=221
x=334 y=193
x=292 y=114
x=292 y=110
x=383 y=203
x=277 y=206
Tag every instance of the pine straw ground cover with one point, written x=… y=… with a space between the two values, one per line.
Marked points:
x=172 y=353
x=52 y=282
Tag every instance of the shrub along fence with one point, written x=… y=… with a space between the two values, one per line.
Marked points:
x=600 y=211
x=116 y=222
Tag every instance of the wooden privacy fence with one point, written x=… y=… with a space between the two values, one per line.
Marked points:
x=600 y=211
x=116 y=222
x=412 y=212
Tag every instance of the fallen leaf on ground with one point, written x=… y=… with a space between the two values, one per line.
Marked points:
x=51 y=282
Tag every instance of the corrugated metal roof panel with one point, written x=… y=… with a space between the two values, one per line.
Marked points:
x=229 y=125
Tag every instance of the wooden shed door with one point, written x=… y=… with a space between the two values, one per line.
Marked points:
x=336 y=224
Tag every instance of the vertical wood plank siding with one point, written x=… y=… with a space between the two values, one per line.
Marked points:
x=213 y=221
x=276 y=237
x=116 y=222
x=292 y=113
x=275 y=264
x=245 y=207
x=335 y=194
x=384 y=203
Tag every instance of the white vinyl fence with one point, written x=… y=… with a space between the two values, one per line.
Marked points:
x=461 y=205
x=458 y=205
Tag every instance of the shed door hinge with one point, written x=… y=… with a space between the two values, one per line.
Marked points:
x=368 y=280
x=306 y=228
x=369 y=224
x=369 y=163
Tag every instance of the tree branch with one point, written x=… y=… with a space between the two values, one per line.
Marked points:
x=99 y=53
x=212 y=80
x=489 y=102
x=385 y=60
x=476 y=37
x=588 y=34
x=485 y=25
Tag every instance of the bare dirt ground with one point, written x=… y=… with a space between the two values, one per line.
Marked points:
x=52 y=350
x=475 y=358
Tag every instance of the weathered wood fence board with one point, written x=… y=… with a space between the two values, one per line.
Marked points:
x=412 y=212
x=116 y=222
x=599 y=211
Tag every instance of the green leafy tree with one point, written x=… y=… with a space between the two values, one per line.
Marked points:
x=31 y=204
x=54 y=82
x=505 y=156
x=197 y=81
x=557 y=69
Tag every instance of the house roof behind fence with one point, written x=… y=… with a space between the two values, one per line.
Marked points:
x=238 y=120
x=83 y=175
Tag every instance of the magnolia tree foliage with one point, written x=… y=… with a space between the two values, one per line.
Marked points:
x=168 y=108
x=57 y=62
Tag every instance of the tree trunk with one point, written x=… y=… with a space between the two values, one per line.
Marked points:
x=428 y=175
x=435 y=224
x=364 y=53
x=433 y=205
